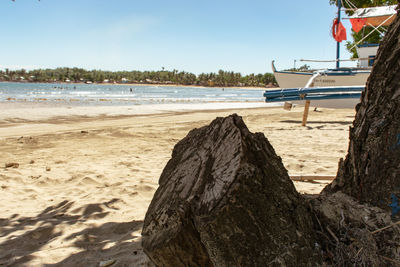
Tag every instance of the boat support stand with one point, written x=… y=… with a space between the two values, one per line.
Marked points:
x=308 y=102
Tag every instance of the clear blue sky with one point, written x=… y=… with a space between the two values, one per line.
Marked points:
x=195 y=36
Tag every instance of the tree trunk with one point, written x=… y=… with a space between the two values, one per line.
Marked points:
x=225 y=199
x=371 y=171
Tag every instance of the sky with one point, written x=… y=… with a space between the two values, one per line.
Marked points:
x=195 y=36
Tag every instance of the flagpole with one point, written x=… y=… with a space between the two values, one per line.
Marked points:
x=338 y=43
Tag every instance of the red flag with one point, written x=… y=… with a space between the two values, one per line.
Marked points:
x=338 y=31
x=358 y=24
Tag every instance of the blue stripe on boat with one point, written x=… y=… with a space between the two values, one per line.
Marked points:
x=313 y=90
x=315 y=97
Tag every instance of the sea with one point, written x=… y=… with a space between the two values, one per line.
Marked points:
x=113 y=94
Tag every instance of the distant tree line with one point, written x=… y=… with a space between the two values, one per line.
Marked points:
x=222 y=78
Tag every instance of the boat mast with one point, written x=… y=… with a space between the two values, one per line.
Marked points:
x=338 y=43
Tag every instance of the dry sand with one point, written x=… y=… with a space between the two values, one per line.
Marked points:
x=85 y=178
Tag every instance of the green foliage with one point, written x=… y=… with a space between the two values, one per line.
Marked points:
x=366 y=3
x=303 y=68
x=375 y=37
x=221 y=79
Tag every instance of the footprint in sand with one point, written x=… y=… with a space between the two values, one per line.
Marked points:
x=42 y=233
x=74 y=178
x=124 y=163
x=134 y=193
x=88 y=180
x=320 y=170
x=146 y=188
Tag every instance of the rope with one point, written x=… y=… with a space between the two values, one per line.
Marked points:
x=351 y=5
x=333 y=60
x=375 y=29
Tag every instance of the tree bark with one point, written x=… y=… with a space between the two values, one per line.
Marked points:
x=225 y=199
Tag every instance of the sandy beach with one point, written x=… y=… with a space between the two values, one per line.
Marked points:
x=80 y=179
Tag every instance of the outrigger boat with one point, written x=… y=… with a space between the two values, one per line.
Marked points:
x=338 y=83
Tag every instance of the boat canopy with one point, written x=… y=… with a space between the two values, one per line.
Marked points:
x=376 y=16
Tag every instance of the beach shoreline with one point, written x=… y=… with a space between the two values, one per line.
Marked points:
x=148 y=85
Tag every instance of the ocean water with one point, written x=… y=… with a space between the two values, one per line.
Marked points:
x=110 y=94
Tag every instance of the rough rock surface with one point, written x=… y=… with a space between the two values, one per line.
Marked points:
x=225 y=199
x=371 y=171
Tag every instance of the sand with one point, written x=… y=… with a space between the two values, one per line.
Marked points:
x=86 y=175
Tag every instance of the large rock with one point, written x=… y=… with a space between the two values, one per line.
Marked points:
x=225 y=199
x=371 y=171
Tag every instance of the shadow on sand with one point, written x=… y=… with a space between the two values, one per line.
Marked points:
x=112 y=240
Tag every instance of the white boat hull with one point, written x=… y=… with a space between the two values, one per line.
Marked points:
x=327 y=78
x=300 y=79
